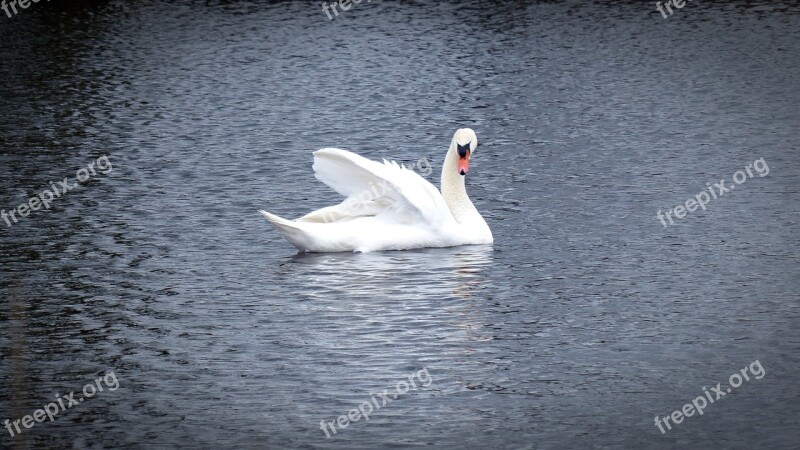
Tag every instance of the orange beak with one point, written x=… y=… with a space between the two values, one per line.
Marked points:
x=463 y=164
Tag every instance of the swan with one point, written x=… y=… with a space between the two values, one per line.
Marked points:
x=389 y=207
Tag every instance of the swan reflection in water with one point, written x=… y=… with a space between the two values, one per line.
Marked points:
x=433 y=273
x=384 y=313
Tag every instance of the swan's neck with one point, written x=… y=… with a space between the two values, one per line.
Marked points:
x=454 y=190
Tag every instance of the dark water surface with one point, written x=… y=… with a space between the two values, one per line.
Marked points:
x=585 y=320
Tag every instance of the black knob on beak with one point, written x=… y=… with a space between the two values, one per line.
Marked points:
x=462 y=151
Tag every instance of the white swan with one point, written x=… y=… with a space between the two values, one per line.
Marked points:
x=389 y=207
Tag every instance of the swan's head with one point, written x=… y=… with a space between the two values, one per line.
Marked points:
x=464 y=144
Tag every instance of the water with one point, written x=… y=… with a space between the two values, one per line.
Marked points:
x=584 y=321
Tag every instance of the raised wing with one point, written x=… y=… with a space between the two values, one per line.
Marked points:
x=374 y=188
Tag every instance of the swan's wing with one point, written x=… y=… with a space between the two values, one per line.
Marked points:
x=374 y=188
x=347 y=210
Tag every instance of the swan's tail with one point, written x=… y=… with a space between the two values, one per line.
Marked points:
x=291 y=230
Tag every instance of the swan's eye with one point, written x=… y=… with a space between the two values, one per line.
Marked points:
x=462 y=150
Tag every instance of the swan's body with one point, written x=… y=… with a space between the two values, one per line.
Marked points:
x=389 y=207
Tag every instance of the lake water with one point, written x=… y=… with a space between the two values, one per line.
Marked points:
x=585 y=320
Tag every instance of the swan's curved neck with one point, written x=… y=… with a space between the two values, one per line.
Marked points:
x=454 y=189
